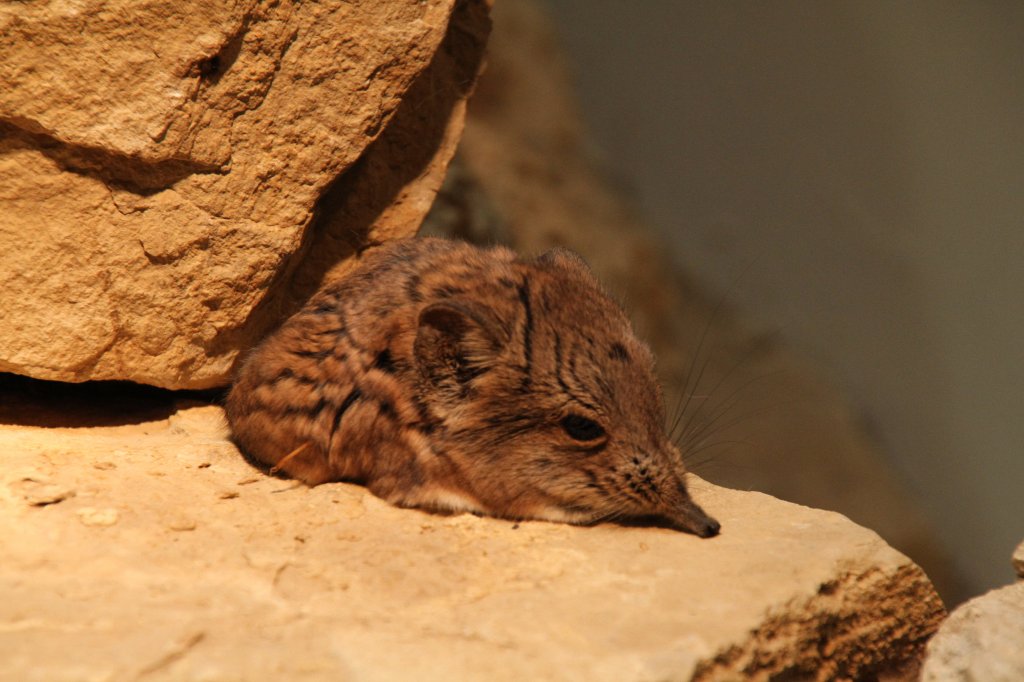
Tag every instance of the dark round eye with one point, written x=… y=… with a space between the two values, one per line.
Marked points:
x=580 y=428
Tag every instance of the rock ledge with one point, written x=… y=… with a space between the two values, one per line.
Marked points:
x=151 y=548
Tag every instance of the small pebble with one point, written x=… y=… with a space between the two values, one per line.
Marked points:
x=91 y=516
x=182 y=524
x=228 y=495
x=48 y=494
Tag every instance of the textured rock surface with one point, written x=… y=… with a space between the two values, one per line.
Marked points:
x=149 y=548
x=760 y=417
x=1018 y=560
x=981 y=641
x=161 y=166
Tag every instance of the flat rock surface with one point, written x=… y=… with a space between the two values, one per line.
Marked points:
x=148 y=549
x=981 y=641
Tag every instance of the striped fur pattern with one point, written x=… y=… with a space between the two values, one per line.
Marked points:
x=452 y=378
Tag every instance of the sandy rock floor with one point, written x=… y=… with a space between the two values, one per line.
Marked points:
x=149 y=549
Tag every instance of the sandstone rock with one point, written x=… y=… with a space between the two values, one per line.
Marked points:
x=1018 y=560
x=761 y=417
x=162 y=166
x=274 y=580
x=982 y=640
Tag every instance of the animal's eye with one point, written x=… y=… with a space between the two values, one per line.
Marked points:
x=580 y=428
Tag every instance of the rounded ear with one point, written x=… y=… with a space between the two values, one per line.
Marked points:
x=455 y=342
x=566 y=260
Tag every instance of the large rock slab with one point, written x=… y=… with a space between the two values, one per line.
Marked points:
x=149 y=548
x=981 y=641
x=162 y=167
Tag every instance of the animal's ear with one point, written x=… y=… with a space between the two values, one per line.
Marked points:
x=455 y=341
x=566 y=260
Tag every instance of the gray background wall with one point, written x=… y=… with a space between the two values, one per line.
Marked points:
x=865 y=160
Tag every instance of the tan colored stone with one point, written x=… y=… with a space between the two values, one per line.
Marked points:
x=40 y=494
x=91 y=516
x=161 y=166
x=761 y=417
x=981 y=641
x=288 y=582
x=1018 y=560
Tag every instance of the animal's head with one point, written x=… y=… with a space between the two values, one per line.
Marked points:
x=548 y=403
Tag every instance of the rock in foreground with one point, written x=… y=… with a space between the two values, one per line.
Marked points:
x=152 y=549
x=982 y=640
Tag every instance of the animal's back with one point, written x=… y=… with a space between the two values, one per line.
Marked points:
x=337 y=375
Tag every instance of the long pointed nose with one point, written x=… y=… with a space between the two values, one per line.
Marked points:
x=687 y=515
x=694 y=519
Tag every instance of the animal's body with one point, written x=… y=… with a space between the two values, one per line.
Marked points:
x=452 y=378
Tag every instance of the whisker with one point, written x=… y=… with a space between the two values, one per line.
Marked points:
x=722 y=408
x=675 y=410
x=699 y=467
x=692 y=464
x=707 y=446
x=739 y=419
x=743 y=359
x=687 y=390
x=610 y=517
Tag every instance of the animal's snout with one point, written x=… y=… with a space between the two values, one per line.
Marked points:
x=708 y=528
x=692 y=518
x=689 y=516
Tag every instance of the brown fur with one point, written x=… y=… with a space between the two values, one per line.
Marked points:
x=451 y=378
